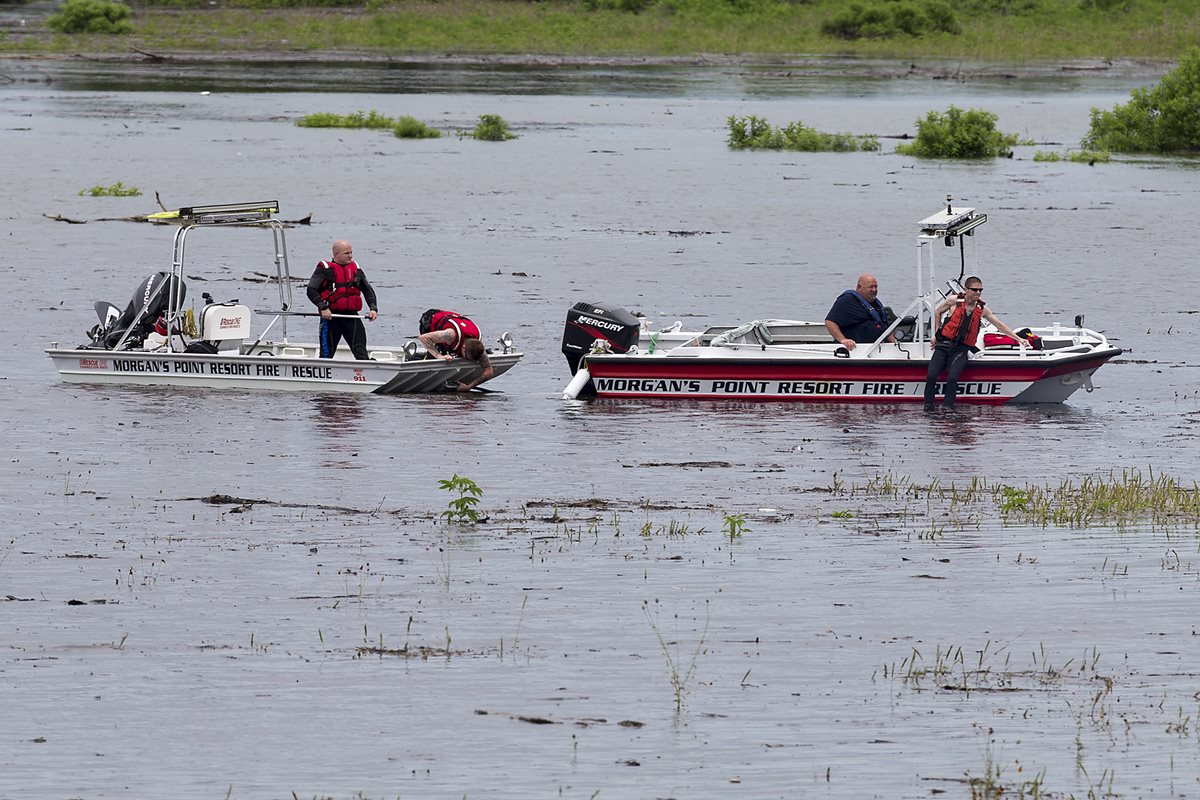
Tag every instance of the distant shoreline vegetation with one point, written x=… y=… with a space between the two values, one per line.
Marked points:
x=1001 y=31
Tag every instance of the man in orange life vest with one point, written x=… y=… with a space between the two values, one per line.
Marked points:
x=337 y=288
x=956 y=339
x=447 y=334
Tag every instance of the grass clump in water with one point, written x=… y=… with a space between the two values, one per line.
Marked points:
x=492 y=128
x=1089 y=157
x=755 y=133
x=959 y=134
x=117 y=189
x=404 y=127
x=371 y=120
x=412 y=128
x=1100 y=500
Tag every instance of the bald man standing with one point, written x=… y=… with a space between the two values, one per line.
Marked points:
x=858 y=315
x=337 y=288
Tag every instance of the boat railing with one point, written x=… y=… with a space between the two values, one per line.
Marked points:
x=230 y=215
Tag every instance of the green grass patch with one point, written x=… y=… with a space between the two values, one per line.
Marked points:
x=404 y=127
x=755 y=133
x=892 y=19
x=412 y=128
x=1009 y=31
x=1119 y=500
x=1088 y=157
x=371 y=120
x=118 y=189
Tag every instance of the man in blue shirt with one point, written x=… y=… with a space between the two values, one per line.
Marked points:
x=858 y=315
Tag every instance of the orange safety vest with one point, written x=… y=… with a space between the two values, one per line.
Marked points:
x=959 y=328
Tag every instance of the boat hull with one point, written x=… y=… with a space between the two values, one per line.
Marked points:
x=270 y=368
x=991 y=381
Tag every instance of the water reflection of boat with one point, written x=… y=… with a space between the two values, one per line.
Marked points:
x=157 y=341
x=787 y=360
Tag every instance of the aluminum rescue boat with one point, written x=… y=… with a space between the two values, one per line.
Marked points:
x=158 y=341
x=612 y=355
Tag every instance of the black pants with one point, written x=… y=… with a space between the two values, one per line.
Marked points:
x=951 y=358
x=338 y=328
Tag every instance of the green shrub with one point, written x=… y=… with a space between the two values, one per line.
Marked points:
x=958 y=134
x=1160 y=119
x=891 y=19
x=492 y=128
x=755 y=133
x=91 y=16
x=412 y=128
x=118 y=189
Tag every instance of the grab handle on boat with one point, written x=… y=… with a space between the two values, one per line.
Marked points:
x=841 y=352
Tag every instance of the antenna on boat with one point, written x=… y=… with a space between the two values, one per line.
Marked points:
x=951 y=238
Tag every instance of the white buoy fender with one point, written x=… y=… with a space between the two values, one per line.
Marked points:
x=577 y=383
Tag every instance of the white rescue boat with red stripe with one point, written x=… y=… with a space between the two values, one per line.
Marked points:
x=788 y=360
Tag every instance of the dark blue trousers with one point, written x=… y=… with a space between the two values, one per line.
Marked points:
x=951 y=358
x=338 y=328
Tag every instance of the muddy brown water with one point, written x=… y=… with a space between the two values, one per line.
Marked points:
x=320 y=631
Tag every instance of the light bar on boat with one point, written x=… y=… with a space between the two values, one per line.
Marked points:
x=229 y=212
x=952 y=222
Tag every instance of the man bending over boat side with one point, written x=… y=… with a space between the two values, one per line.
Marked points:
x=956 y=339
x=337 y=288
x=858 y=315
x=448 y=334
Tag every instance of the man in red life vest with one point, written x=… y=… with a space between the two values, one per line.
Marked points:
x=337 y=288
x=956 y=339
x=448 y=334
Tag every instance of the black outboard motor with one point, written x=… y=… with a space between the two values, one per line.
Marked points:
x=587 y=322
x=149 y=302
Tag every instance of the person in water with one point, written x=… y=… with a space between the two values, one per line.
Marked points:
x=858 y=315
x=337 y=288
x=956 y=339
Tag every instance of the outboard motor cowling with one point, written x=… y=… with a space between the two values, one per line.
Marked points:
x=587 y=322
x=149 y=302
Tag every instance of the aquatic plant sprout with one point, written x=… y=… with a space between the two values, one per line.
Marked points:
x=461 y=509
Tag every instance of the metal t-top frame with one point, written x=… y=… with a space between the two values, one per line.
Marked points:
x=240 y=215
x=952 y=226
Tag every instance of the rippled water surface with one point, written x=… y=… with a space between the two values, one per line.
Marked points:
x=319 y=631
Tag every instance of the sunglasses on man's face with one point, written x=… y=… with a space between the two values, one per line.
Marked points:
x=974 y=288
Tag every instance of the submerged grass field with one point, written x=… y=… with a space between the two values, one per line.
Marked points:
x=1049 y=30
